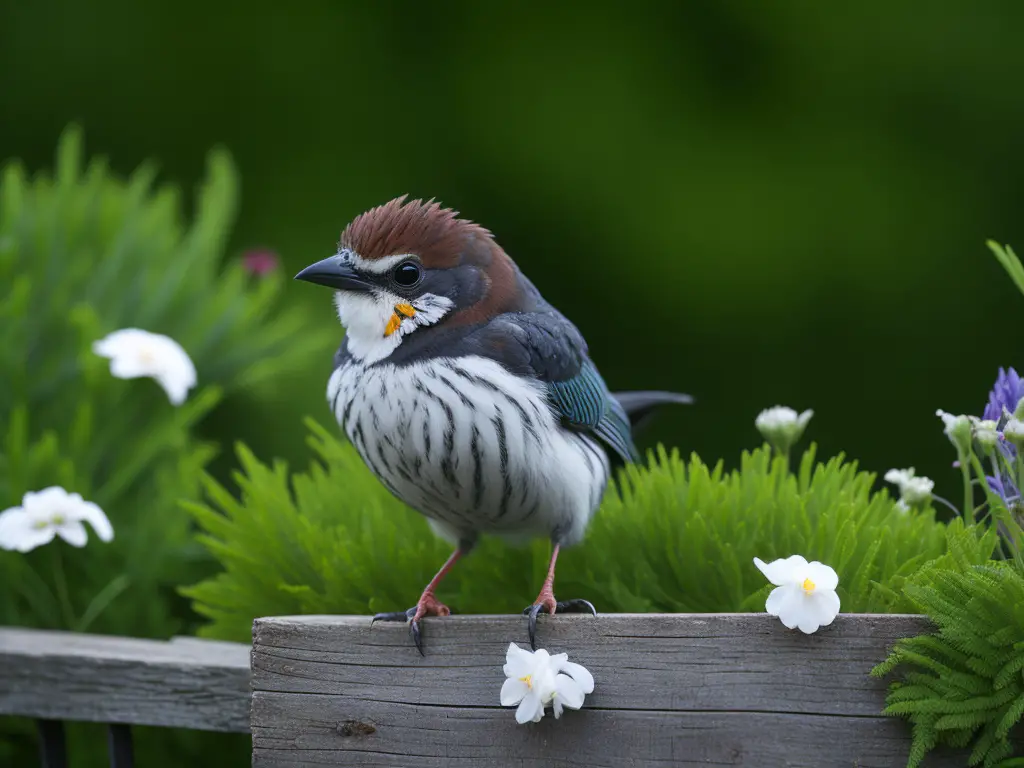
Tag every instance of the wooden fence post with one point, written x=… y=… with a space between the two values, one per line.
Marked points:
x=671 y=690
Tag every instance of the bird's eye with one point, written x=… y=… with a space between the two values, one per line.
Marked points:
x=407 y=274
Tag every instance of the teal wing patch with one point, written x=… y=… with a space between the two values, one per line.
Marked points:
x=586 y=405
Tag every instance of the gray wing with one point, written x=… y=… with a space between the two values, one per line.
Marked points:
x=547 y=347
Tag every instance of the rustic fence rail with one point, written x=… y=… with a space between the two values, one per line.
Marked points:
x=181 y=683
x=672 y=690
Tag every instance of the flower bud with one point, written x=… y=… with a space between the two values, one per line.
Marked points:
x=914 y=490
x=986 y=434
x=1014 y=432
x=957 y=429
x=782 y=426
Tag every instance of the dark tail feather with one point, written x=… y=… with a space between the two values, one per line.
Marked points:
x=638 y=405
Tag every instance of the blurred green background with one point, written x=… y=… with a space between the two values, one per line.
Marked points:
x=753 y=203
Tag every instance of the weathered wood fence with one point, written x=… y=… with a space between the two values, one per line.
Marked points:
x=671 y=690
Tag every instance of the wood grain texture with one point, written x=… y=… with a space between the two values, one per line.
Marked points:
x=185 y=683
x=672 y=690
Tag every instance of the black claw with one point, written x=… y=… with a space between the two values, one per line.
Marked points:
x=532 y=612
x=578 y=605
x=394 y=616
x=417 y=637
x=409 y=616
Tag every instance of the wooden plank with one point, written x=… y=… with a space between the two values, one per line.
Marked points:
x=684 y=690
x=65 y=676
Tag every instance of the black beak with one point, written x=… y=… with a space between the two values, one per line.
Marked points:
x=335 y=273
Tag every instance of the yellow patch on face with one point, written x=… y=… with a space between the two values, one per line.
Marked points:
x=808 y=586
x=393 y=324
x=401 y=312
x=408 y=310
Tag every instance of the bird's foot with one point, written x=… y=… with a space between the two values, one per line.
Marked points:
x=546 y=601
x=428 y=605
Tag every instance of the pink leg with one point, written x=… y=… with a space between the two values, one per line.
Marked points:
x=546 y=598
x=546 y=601
x=428 y=604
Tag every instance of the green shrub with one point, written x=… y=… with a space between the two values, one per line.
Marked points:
x=963 y=684
x=680 y=538
x=83 y=253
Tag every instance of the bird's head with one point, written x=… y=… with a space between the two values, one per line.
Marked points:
x=406 y=266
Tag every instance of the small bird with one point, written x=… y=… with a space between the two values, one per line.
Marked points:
x=470 y=397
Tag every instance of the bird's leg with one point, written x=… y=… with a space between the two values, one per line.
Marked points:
x=428 y=604
x=546 y=600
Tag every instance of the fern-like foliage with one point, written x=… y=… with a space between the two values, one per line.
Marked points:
x=963 y=685
x=84 y=252
x=681 y=537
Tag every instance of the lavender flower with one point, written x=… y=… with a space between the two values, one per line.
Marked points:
x=1006 y=393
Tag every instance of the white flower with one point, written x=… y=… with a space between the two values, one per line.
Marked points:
x=957 y=429
x=782 y=426
x=805 y=594
x=1013 y=431
x=537 y=678
x=48 y=513
x=899 y=477
x=913 y=489
x=135 y=353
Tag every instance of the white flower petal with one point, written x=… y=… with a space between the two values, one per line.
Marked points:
x=176 y=389
x=783 y=600
x=531 y=709
x=513 y=691
x=134 y=353
x=568 y=691
x=94 y=516
x=899 y=477
x=19 y=532
x=826 y=606
x=556 y=707
x=12 y=521
x=73 y=532
x=518 y=662
x=776 y=417
x=36 y=538
x=580 y=674
x=823 y=576
x=807 y=622
x=783 y=571
x=130 y=367
x=48 y=500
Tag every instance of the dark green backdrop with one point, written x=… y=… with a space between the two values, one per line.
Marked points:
x=751 y=202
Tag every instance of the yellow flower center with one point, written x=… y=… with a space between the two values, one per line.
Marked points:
x=808 y=586
x=528 y=680
x=39 y=524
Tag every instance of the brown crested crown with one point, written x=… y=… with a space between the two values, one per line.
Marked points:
x=433 y=233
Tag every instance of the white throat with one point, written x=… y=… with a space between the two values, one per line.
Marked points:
x=376 y=322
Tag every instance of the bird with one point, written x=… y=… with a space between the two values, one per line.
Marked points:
x=471 y=398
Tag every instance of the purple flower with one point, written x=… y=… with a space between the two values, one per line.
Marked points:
x=262 y=262
x=1003 y=485
x=1007 y=392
